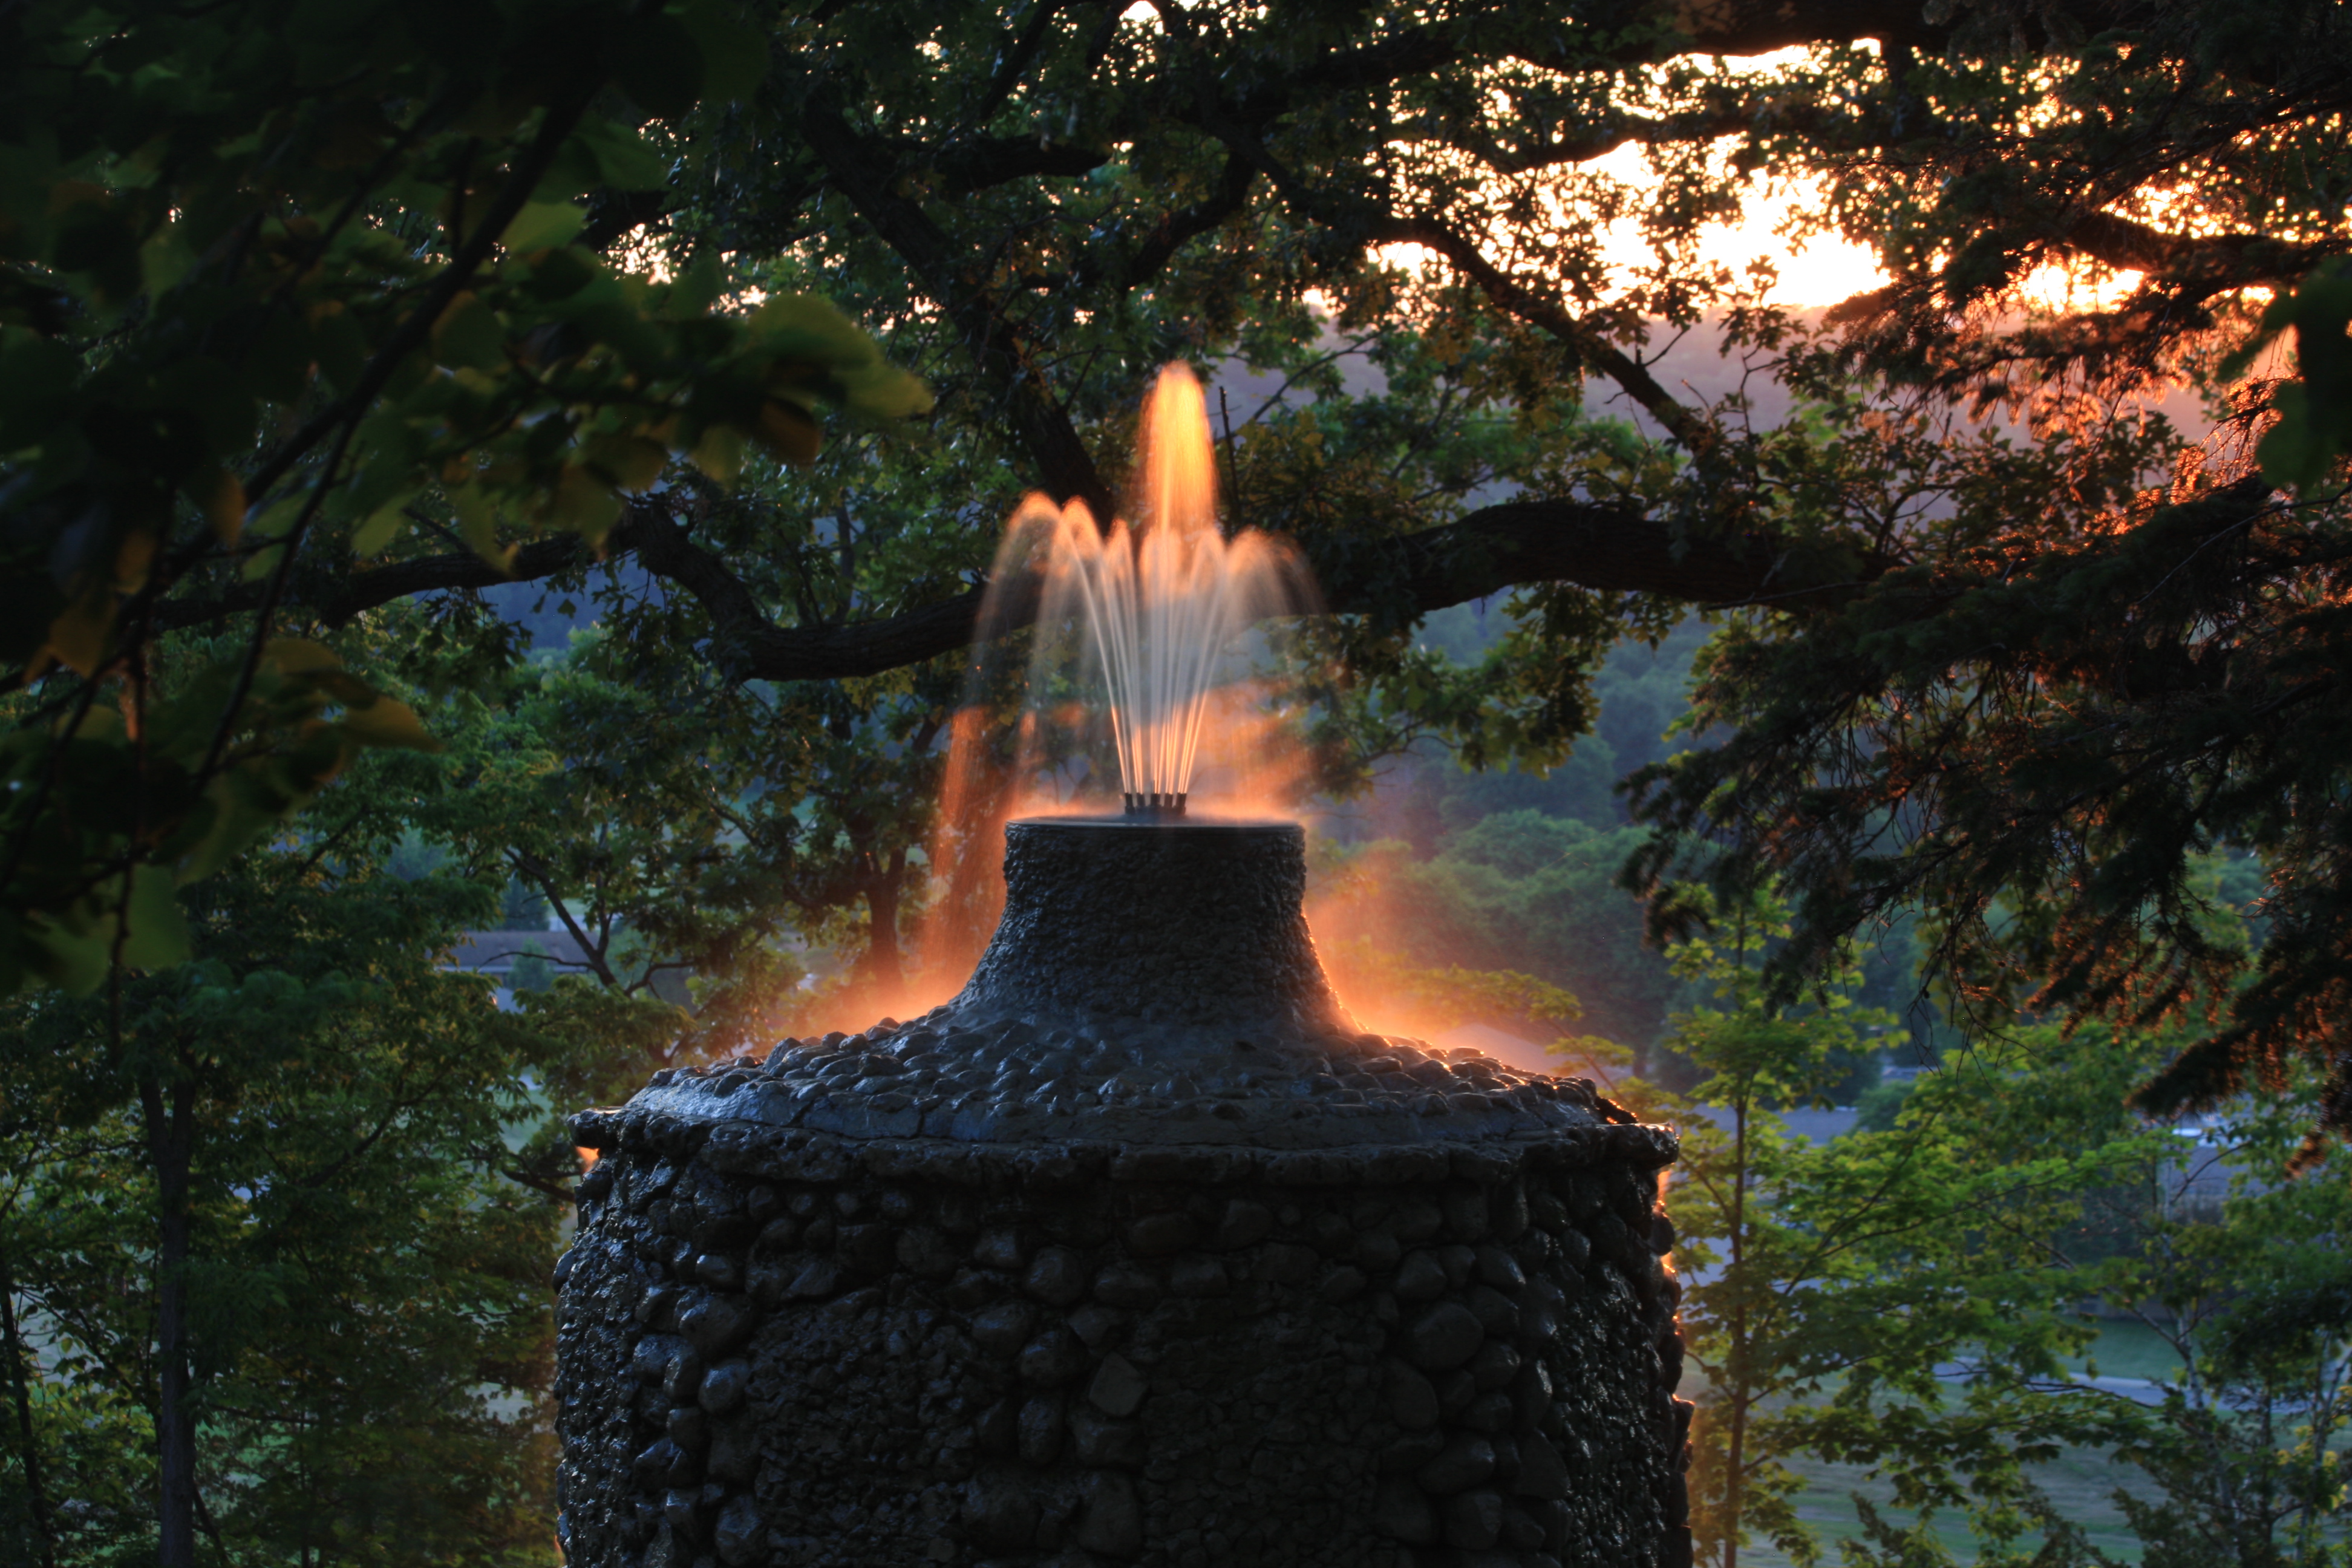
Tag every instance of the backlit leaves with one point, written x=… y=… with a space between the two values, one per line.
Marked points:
x=2314 y=428
x=310 y=285
x=105 y=822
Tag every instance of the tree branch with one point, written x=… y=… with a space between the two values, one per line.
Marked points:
x=980 y=162
x=381 y=584
x=1174 y=230
x=1684 y=425
x=2212 y=261
x=863 y=171
x=1598 y=139
x=1492 y=550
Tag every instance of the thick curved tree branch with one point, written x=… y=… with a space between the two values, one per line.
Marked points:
x=1492 y=550
x=975 y=163
x=1584 y=143
x=1760 y=27
x=1176 y=228
x=377 y=585
x=2207 y=262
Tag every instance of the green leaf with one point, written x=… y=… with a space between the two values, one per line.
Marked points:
x=270 y=524
x=790 y=432
x=623 y=159
x=235 y=811
x=883 y=390
x=584 y=504
x=74 y=962
x=300 y=656
x=541 y=224
x=478 y=520
x=165 y=258
x=79 y=633
x=222 y=497
x=632 y=464
x=821 y=349
x=155 y=930
x=719 y=453
x=734 y=49
x=700 y=285
x=381 y=527
x=387 y=722
x=469 y=335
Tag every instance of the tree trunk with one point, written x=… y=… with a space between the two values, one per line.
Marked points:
x=31 y=1452
x=171 y=1133
x=1735 y=1480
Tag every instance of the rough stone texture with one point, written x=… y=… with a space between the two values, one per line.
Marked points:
x=848 y=1408
x=1009 y=1081
x=1124 y=918
x=1028 y=1283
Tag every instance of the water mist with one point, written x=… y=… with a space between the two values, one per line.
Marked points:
x=1155 y=603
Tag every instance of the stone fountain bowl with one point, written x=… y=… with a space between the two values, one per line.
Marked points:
x=1138 y=1251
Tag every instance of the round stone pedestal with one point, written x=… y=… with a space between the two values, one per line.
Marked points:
x=1028 y=1283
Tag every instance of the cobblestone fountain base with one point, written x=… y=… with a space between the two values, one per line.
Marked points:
x=1029 y=1284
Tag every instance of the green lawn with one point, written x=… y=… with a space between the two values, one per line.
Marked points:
x=2081 y=1484
x=2132 y=1349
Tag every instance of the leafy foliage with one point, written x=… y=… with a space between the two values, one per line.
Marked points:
x=1925 y=1297
x=407 y=281
x=339 y=1124
x=1517 y=892
x=1763 y=1264
x=281 y=283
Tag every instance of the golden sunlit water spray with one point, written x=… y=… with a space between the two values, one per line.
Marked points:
x=1160 y=600
x=1139 y=665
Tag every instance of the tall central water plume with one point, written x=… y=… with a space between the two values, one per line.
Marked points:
x=1157 y=603
x=1139 y=660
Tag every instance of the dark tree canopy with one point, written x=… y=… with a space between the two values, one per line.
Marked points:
x=376 y=274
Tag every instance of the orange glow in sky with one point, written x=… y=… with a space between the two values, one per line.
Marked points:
x=1821 y=270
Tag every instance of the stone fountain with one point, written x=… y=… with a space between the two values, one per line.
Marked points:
x=1138 y=1252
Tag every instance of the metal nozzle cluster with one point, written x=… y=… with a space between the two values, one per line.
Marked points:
x=1155 y=804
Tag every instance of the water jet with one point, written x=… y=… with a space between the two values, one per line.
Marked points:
x=1138 y=1250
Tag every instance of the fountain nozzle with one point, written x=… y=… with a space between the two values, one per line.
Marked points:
x=1154 y=806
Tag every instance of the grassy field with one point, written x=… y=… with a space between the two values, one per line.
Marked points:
x=2082 y=1482
x=2132 y=1349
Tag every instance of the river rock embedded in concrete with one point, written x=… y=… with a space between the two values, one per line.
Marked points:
x=1032 y=1281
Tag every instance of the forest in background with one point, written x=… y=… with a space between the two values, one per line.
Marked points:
x=319 y=316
